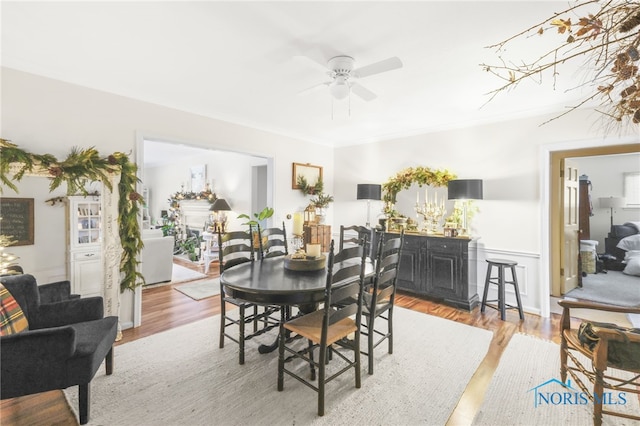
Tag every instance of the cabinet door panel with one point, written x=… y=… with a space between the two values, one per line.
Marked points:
x=87 y=277
x=409 y=268
x=444 y=274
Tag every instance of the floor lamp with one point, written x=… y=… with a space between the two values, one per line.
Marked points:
x=611 y=203
x=465 y=189
x=367 y=191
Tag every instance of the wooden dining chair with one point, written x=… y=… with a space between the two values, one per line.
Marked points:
x=236 y=248
x=273 y=242
x=612 y=362
x=378 y=297
x=352 y=235
x=336 y=324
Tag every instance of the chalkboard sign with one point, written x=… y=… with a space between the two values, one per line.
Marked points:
x=17 y=219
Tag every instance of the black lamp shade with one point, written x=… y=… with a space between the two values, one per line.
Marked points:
x=465 y=189
x=368 y=191
x=220 y=205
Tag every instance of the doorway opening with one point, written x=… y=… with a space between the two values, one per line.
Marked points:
x=165 y=166
x=556 y=211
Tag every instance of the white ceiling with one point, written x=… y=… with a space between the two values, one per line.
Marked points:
x=240 y=61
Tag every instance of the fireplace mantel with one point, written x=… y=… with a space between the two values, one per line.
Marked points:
x=195 y=213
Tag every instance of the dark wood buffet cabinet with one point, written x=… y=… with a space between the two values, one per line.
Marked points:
x=439 y=267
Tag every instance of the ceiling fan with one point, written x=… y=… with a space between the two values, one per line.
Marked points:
x=343 y=74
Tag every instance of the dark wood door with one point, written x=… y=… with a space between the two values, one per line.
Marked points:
x=584 y=209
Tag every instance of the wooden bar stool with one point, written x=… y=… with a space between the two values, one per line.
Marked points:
x=500 y=281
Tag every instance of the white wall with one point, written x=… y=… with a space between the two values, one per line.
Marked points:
x=506 y=156
x=229 y=174
x=606 y=176
x=42 y=115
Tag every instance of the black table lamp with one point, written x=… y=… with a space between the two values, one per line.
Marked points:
x=368 y=191
x=220 y=205
x=465 y=189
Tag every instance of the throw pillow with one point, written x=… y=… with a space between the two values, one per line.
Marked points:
x=630 y=243
x=12 y=319
x=633 y=266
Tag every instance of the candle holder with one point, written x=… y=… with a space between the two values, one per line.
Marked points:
x=297 y=242
x=431 y=214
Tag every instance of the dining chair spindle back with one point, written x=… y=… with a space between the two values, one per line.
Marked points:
x=379 y=297
x=236 y=248
x=336 y=325
x=273 y=242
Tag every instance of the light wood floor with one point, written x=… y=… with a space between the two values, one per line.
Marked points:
x=163 y=309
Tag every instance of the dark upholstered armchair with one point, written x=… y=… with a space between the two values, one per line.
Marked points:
x=67 y=340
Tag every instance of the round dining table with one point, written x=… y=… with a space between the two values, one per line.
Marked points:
x=268 y=282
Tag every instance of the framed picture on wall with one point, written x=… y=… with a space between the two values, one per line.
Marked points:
x=198 y=178
x=312 y=174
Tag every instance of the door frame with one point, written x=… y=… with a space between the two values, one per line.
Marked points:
x=139 y=158
x=550 y=190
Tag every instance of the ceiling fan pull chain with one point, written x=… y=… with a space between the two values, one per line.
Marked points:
x=332 y=108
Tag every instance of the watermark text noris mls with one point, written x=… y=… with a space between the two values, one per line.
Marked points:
x=554 y=392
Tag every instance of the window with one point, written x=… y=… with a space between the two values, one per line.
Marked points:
x=632 y=189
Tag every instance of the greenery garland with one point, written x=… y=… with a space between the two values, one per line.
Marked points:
x=79 y=168
x=307 y=189
x=420 y=175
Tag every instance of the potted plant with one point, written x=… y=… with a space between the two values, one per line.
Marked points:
x=321 y=202
x=190 y=247
x=259 y=218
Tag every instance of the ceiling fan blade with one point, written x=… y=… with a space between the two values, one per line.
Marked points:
x=378 y=67
x=363 y=92
x=314 y=88
x=308 y=60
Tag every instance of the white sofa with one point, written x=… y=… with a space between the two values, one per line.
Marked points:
x=156 y=257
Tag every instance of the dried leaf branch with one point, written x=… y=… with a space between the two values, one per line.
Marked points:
x=606 y=40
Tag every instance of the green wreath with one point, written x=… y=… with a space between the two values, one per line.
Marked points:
x=80 y=167
x=407 y=177
x=308 y=189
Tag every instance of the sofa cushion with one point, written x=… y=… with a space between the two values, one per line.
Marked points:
x=12 y=319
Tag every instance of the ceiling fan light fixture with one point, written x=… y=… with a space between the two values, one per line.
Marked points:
x=339 y=88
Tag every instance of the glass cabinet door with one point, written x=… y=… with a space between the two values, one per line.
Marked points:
x=88 y=218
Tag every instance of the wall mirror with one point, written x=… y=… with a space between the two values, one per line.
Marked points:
x=312 y=174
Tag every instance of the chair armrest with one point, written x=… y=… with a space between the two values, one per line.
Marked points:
x=35 y=360
x=67 y=312
x=55 y=292
x=567 y=304
x=31 y=347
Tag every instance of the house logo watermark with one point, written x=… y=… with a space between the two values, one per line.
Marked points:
x=554 y=392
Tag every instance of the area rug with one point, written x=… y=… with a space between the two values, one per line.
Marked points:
x=614 y=288
x=181 y=377
x=526 y=367
x=201 y=289
x=181 y=274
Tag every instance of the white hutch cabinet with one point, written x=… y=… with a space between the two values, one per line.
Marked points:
x=84 y=245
